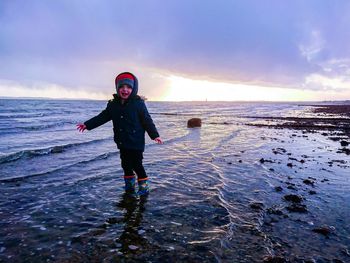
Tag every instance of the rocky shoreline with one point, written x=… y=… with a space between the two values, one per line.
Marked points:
x=342 y=110
x=334 y=124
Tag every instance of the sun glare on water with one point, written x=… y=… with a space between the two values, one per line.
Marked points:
x=183 y=89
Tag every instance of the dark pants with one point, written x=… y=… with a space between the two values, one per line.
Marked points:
x=132 y=161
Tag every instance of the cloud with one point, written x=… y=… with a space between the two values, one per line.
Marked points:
x=47 y=90
x=321 y=82
x=268 y=43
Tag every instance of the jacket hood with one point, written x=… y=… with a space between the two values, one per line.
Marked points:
x=135 y=86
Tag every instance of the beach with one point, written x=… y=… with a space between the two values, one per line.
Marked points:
x=258 y=182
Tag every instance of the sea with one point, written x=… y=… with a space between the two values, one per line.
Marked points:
x=218 y=192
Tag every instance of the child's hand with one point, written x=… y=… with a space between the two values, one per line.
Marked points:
x=81 y=127
x=158 y=140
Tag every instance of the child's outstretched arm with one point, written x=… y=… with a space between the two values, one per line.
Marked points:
x=96 y=121
x=158 y=140
x=81 y=127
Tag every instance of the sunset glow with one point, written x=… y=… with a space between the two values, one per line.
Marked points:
x=183 y=89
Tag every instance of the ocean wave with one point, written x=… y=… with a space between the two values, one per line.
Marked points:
x=7 y=115
x=43 y=126
x=32 y=153
x=58 y=149
x=32 y=128
x=20 y=178
x=172 y=113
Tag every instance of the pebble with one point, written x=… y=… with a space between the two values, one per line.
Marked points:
x=118 y=245
x=275 y=211
x=141 y=232
x=308 y=182
x=133 y=247
x=344 y=150
x=175 y=223
x=112 y=220
x=257 y=205
x=278 y=188
x=262 y=160
x=344 y=143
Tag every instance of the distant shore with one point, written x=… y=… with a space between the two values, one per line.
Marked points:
x=334 y=118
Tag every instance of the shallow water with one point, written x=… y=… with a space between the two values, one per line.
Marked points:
x=62 y=196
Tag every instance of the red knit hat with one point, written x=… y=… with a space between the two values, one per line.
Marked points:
x=124 y=79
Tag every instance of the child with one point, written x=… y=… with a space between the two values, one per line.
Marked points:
x=131 y=119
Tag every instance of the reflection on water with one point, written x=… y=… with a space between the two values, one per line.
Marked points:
x=132 y=237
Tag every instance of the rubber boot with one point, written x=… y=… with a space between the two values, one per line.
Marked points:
x=143 y=186
x=130 y=184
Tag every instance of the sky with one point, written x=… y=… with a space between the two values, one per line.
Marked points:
x=180 y=50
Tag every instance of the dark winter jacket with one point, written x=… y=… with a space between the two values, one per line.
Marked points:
x=130 y=121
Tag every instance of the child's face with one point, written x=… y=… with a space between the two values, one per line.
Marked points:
x=124 y=92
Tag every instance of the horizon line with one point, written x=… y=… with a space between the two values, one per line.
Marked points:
x=89 y=99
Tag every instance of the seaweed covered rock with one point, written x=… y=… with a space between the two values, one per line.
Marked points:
x=298 y=208
x=194 y=122
x=257 y=205
x=274 y=259
x=293 y=198
x=324 y=230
